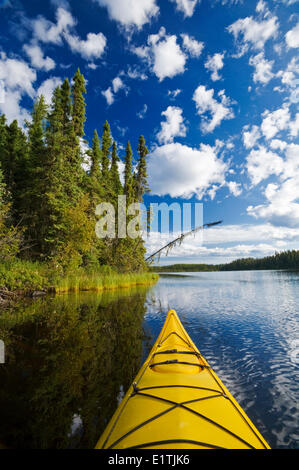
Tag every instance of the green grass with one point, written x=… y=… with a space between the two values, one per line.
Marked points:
x=27 y=276
x=99 y=282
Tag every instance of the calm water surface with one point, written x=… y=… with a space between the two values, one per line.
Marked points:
x=69 y=359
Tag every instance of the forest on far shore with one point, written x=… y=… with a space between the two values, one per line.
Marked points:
x=284 y=260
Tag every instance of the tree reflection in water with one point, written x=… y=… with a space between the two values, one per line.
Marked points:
x=67 y=361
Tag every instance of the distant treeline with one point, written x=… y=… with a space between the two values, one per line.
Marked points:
x=179 y=268
x=285 y=260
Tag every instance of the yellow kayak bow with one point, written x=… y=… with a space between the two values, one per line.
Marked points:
x=178 y=402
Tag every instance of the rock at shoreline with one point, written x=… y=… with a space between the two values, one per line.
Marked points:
x=38 y=293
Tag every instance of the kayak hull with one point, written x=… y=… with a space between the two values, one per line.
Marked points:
x=178 y=402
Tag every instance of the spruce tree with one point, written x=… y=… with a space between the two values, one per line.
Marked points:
x=95 y=180
x=96 y=195
x=96 y=156
x=3 y=149
x=54 y=197
x=15 y=168
x=66 y=105
x=33 y=196
x=65 y=199
x=3 y=137
x=79 y=105
x=128 y=187
x=141 y=176
x=106 y=145
x=71 y=146
x=36 y=132
x=114 y=172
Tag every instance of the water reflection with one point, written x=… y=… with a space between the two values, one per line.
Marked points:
x=67 y=360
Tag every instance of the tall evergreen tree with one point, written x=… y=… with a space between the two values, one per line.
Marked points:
x=71 y=146
x=114 y=172
x=3 y=137
x=55 y=169
x=66 y=105
x=95 y=180
x=129 y=187
x=64 y=185
x=106 y=145
x=142 y=186
x=33 y=196
x=36 y=132
x=96 y=156
x=3 y=150
x=15 y=167
x=79 y=105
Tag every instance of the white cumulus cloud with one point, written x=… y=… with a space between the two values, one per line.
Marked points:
x=131 y=13
x=182 y=171
x=18 y=79
x=275 y=122
x=192 y=46
x=169 y=60
x=108 y=94
x=262 y=163
x=117 y=84
x=187 y=7
x=214 y=64
x=250 y=137
x=163 y=54
x=292 y=37
x=173 y=127
x=91 y=48
x=254 y=33
x=207 y=104
x=63 y=30
x=263 y=68
x=36 y=56
x=48 y=32
x=17 y=75
x=281 y=208
x=234 y=188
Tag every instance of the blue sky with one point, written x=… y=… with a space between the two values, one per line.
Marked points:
x=211 y=84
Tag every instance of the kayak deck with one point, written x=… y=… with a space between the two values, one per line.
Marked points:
x=178 y=402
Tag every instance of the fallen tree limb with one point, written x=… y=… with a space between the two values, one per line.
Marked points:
x=180 y=239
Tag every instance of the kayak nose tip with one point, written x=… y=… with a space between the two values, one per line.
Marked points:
x=172 y=312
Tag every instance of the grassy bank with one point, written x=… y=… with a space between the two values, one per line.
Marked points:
x=25 y=277
x=100 y=282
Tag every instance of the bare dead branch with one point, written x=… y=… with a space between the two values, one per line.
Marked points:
x=180 y=239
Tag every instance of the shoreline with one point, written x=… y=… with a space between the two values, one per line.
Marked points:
x=75 y=284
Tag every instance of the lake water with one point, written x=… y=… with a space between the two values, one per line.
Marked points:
x=69 y=359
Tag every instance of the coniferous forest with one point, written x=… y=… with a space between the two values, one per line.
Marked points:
x=284 y=260
x=48 y=198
